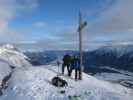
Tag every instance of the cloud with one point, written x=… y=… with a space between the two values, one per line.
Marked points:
x=9 y=10
x=116 y=19
x=39 y=24
x=113 y=21
x=113 y=24
x=6 y=13
x=27 y=4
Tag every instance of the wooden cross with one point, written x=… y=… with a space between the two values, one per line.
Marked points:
x=82 y=25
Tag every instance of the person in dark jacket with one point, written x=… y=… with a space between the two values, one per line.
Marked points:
x=71 y=65
x=66 y=63
x=75 y=65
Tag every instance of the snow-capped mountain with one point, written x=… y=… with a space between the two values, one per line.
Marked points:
x=13 y=56
x=41 y=57
x=47 y=56
x=34 y=83
x=118 y=56
x=10 y=57
x=113 y=63
x=120 y=50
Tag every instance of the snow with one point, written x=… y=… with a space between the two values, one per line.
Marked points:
x=34 y=83
x=112 y=76
x=5 y=70
x=124 y=78
x=9 y=46
x=10 y=56
x=14 y=57
x=118 y=70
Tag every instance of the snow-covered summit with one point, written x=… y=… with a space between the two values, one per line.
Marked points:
x=34 y=83
x=13 y=56
x=9 y=46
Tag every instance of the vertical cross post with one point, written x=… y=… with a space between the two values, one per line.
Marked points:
x=80 y=28
x=80 y=46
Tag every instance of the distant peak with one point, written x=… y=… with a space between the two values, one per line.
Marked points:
x=9 y=46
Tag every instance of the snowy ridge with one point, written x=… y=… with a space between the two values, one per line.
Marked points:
x=10 y=58
x=14 y=57
x=5 y=70
x=34 y=83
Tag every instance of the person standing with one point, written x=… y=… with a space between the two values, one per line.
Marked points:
x=66 y=63
x=75 y=65
x=72 y=65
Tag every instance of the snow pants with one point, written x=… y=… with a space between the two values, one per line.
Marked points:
x=77 y=73
x=63 y=68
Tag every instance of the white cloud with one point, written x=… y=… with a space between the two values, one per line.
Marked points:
x=8 y=10
x=114 y=23
x=40 y=24
x=26 y=42
x=6 y=13
x=116 y=19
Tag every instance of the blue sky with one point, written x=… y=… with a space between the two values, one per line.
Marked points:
x=52 y=24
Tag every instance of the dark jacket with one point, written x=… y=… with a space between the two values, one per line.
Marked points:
x=66 y=59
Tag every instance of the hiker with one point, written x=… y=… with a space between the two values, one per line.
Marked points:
x=66 y=63
x=75 y=65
